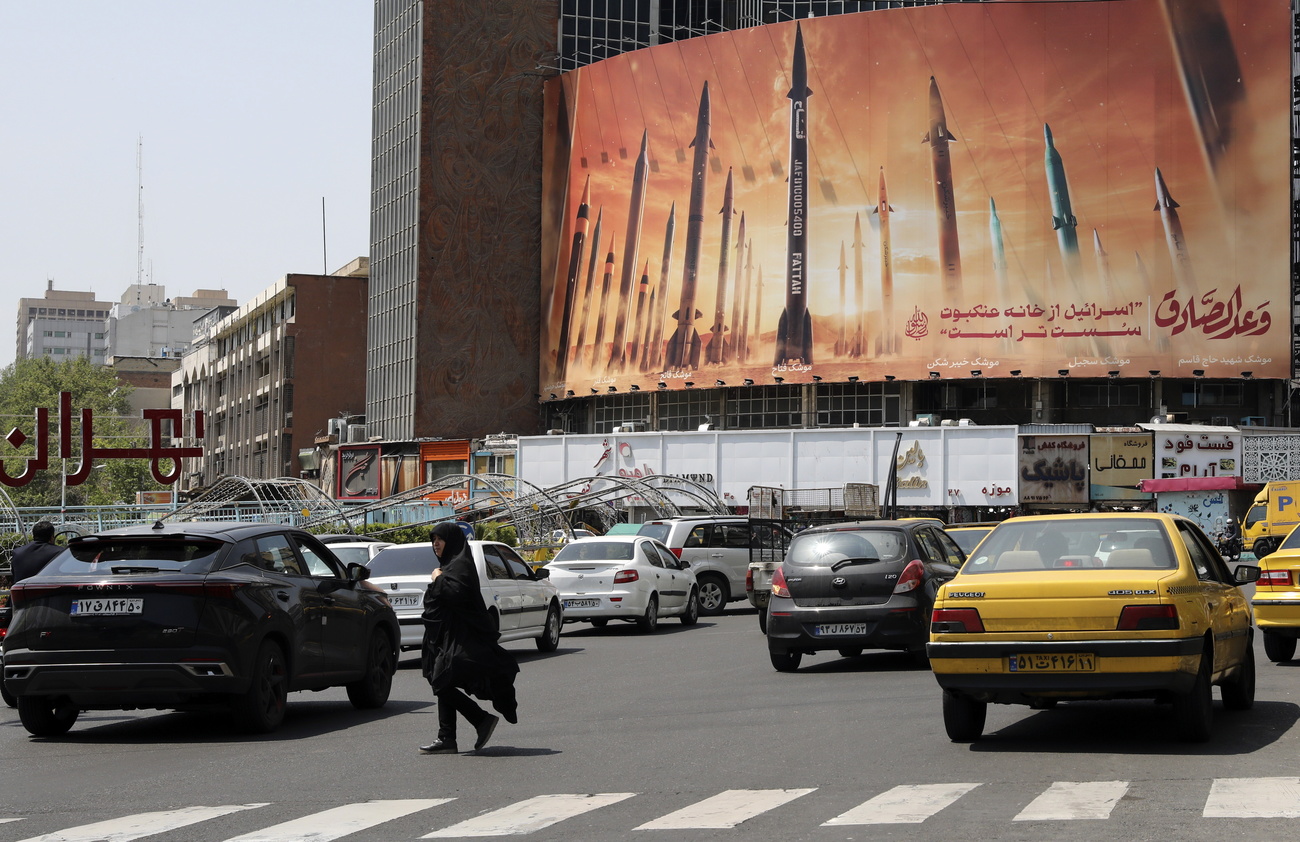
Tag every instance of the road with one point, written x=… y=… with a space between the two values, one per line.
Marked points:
x=683 y=735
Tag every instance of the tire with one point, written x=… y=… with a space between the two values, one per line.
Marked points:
x=550 y=639
x=785 y=661
x=1278 y=648
x=7 y=696
x=1194 y=710
x=692 y=614
x=1265 y=546
x=47 y=716
x=496 y=620
x=373 y=688
x=963 y=718
x=850 y=652
x=600 y=623
x=1239 y=691
x=762 y=620
x=261 y=709
x=649 y=621
x=713 y=595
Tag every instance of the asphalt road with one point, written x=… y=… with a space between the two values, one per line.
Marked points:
x=686 y=734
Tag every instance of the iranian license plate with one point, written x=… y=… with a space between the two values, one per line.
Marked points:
x=404 y=600
x=1060 y=662
x=836 y=629
x=106 y=606
x=582 y=603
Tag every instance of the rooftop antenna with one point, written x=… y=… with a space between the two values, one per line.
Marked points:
x=324 y=243
x=139 y=210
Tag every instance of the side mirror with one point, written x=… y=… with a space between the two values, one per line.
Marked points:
x=542 y=573
x=1245 y=574
x=358 y=572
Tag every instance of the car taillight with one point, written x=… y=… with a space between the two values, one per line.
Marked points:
x=1148 y=618
x=749 y=580
x=956 y=621
x=677 y=551
x=779 y=587
x=624 y=576
x=21 y=593
x=911 y=576
x=1275 y=578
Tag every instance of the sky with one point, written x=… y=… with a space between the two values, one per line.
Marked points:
x=250 y=112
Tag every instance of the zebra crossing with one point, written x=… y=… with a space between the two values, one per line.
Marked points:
x=1061 y=801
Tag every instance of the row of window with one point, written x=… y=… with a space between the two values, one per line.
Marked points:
x=63 y=313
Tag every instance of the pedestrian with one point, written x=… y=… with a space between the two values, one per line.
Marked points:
x=31 y=558
x=460 y=653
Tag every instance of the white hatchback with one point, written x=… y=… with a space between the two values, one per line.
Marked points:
x=624 y=577
x=522 y=602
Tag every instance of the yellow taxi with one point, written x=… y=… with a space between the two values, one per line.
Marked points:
x=1093 y=606
x=1277 y=599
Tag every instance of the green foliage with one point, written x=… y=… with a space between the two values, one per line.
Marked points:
x=490 y=530
x=27 y=385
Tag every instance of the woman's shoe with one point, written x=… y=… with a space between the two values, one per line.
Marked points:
x=485 y=730
x=439 y=747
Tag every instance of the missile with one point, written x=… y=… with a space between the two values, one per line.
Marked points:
x=1212 y=77
x=683 y=351
x=841 y=344
x=758 y=305
x=648 y=337
x=1177 y=243
x=1103 y=263
x=657 y=332
x=742 y=345
x=999 y=252
x=858 y=342
x=587 y=288
x=717 y=353
x=945 y=205
x=642 y=290
x=882 y=210
x=1063 y=220
x=631 y=245
x=733 y=346
x=571 y=283
x=597 y=344
x=794 y=339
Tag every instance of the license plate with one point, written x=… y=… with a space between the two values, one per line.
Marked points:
x=582 y=603
x=404 y=600
x=834 y=629
x=1060 y=662
x=106 y=606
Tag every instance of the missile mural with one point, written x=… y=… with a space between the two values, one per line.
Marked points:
x=842 y=343
x=794 y=339
x=1063 y=220
x=1177 y=243
x=945 y=205
x=683 y=351
x=717 y=353
x=647 y=339
x=742 y=346
x=1103 y=263
x=571 y=282
x=656 y=355
x=588 y=288
x=758 y=304
x=857 y=344
x=999 y=251
x=638 y=324
x=882 y=210
x=597 y=344
x=733 y=347
x=631 y=245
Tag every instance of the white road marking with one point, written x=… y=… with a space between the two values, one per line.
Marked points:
x=1069 y=800
x=726 y=809
x=4 y=821
x=528 y=816
x=1253 y=798
x=340 y=821
x=908 y=804
x=140 y=824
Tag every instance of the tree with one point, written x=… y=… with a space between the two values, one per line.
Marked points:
x=29 y=384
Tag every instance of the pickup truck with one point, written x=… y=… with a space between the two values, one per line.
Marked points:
x=758 y=587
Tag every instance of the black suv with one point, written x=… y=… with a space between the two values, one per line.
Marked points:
x=855 y=586
x=179 y=616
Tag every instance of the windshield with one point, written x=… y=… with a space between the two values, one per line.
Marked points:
x=1073 y=544
x=351 y=555
x=404 y=561
x=967 y=539
x=135 y=554
x=596 y=551
x=831 y=548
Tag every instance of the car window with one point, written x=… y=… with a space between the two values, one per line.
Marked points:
x=496 y=565
x=351 y=555
x=929 y=544
x=648 y=555
x=518 y=568
x=1207 y=561
x=595 y=551
x=317 y=563
x=658 y=531
x=277 y=556
x=185 y=555
x=699 y=537
x=952 y=551
x=830 y=548
x=1064 y=543
x=735 y=536
x=671 y=561
x=408 y=560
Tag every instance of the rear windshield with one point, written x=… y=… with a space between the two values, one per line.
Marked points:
x=831 y=548
x=138 y=555
x=350 y=555
x=658 y=531
x=406 y=561
x=1074 y=544
x=596 y=551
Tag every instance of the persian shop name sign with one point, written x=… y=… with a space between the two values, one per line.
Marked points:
x=155 y=452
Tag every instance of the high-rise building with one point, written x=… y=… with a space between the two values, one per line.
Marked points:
x=62 y=325
x=146 y=323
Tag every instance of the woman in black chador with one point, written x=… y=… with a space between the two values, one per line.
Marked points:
x=461 y=652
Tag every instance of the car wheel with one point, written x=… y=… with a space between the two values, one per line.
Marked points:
x=47 y=716
x=785 y=661
x=850 y=652
x=692 y=614
x=963 y=718
x=550 y=639
x=713 y=595
x=495 y=619
x=649 y=621
x=1239 y=691
x=1265 y=546
x=261 y=709
x=1278 y=648
x=373 y=688
x=7 y=696
x=1194 y=710
x=762 y=620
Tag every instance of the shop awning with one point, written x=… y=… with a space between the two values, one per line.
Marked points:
x=1192 y=484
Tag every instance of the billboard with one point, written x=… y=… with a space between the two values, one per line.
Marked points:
x=994 y=187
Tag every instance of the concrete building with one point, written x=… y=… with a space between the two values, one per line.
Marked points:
x=146 y=323
x=62 y=325
x=269 y=375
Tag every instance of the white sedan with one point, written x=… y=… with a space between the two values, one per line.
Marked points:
x=522 y=602
x=624 y=577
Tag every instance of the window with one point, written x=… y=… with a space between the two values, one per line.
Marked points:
x=518 y=568
x=649 y=556
x=275 y=555
x=317 y=564
x=496 y=565
x=867 y=404
x=434 y=471
x=759 y=407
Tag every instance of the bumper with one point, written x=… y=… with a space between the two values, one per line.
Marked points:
x=760 y=599
x=1124 y=668
x=616 y=605
x=412 y=632
x=113 y=686
x=1276 y=613
x=900 y=623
